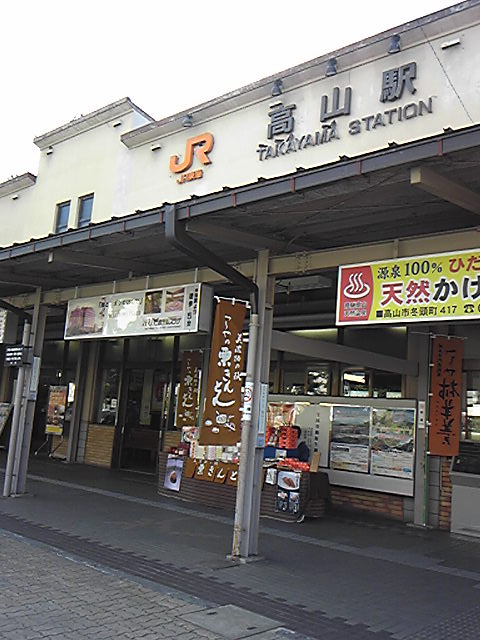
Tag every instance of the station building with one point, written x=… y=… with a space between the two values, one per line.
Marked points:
x=367 y=156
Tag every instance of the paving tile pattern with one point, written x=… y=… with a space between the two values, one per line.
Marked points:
x=311 y=623
x=44 y=596
x=332 y=578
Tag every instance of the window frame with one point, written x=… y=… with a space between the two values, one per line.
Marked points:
x=81 y=201
x=58 y=208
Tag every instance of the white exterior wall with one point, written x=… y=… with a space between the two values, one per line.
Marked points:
x=129 y=178
x=94 y=161
x=237 y=134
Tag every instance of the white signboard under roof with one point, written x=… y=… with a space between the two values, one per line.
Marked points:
x=172 y=310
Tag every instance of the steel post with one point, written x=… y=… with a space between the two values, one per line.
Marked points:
x=266 y=287
x=17 y=409
x=242 y=514
x=80 y=376
x=23 y=444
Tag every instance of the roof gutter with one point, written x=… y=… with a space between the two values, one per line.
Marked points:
x=177 y=236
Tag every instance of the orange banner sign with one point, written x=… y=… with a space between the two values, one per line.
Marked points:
x=445 y=397
x=187 y=406
x=57 y=403
x=222 y=416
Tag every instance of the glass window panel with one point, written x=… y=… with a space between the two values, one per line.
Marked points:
x=294 y=382
x=85 y=211
x=63 y=212
x=356 y=384
x=108 y=405
x=318 y=381
x=387 y=385
x=472 y=422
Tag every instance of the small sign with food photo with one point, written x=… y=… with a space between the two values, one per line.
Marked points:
x=173 y=474
x=289 y=480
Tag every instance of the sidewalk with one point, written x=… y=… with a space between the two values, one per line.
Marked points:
x=329 y=578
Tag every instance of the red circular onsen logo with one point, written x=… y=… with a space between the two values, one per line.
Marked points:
x=356 y=294
x=356 y=287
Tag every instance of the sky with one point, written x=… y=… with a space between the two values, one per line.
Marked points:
x=62 y=59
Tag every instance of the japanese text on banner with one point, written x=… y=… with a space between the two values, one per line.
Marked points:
x=425 y=288
x=187 y=405
x=222 y=416
x=445 y=396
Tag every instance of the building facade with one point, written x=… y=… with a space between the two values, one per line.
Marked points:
x=367 y=157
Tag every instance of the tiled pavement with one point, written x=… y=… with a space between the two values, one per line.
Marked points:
x=328 y=579
x=45 y=595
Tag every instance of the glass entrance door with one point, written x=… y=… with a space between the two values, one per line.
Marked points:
x=143 y=420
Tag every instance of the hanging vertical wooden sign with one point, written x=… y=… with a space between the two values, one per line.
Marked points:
x=187 y=404
x=222 y=416
x=445 y=396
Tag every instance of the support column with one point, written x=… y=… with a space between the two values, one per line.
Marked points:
x=266 y=288
x=80 y=382
x=419 y=348
x=173 y=377
x=251 y=463
x=86 y=407
x=8 y=486
x=122 y=407
x=30 y=393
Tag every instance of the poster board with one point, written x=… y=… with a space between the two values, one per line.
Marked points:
x=393 y=442
x=314 y=421
x=350 y=438
x=369 y=442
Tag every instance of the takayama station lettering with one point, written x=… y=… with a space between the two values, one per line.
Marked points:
x=334 y=108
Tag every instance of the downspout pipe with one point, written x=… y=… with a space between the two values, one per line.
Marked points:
x=179 y=238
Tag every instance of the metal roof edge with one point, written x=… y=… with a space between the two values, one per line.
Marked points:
x=150 y=131
x=434 y=146
x=88 y=121
x=17 y=183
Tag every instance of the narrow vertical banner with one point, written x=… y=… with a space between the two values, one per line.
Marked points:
x=187 y=405
x=445 y=396
x=57 y=402
x=222 y=416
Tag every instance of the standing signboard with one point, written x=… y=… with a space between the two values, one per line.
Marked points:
x=222 y=416
x=187 y=404
x=57 y=402
x=445 y=396
x=173 y=473
x=431 y=288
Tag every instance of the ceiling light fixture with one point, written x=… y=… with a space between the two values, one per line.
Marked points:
x=331 y=69
x=394 y=46
x=277 y=88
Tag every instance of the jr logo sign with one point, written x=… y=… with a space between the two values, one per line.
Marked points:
x=201 y=145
